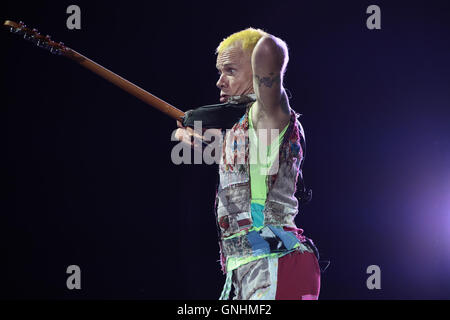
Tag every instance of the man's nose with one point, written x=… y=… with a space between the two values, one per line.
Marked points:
x=221 y=82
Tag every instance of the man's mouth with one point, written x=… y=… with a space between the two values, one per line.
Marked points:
x=224 y=98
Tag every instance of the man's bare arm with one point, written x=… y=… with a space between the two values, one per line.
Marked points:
x=272 y=108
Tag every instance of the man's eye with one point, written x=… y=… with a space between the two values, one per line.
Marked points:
x=229 y=71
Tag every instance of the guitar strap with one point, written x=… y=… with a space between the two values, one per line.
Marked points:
x=219 y=116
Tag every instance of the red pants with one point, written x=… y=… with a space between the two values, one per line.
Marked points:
x=298 y=277
x=295 y=276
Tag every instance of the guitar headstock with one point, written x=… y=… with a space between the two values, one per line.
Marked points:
x=34 y=36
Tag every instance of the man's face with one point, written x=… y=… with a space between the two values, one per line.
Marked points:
x=235 y=70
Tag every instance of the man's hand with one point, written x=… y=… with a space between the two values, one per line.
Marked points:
x=191 y=137
x=187 y=135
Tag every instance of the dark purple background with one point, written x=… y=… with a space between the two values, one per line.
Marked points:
x=89 y=179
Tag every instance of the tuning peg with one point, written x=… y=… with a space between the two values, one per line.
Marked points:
x=55 y=50
x=45 y=42
x=19 y=29
x=44 y=45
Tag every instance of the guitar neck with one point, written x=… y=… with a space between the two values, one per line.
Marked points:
x=124 y=84
x=58 y=48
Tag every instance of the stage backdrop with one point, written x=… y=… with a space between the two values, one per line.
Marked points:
x=87 y=172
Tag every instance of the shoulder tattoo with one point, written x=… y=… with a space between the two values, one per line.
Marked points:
x=267 y=81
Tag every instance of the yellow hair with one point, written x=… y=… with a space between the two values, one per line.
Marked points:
x=248 y=39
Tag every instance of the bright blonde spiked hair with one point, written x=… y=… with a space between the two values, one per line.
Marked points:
x=248 y=39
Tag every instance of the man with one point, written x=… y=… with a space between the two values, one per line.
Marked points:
x=263 y=253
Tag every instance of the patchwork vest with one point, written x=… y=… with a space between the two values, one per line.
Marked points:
x=233 y=198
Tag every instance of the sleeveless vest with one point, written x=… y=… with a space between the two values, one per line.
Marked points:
x=233 y=197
